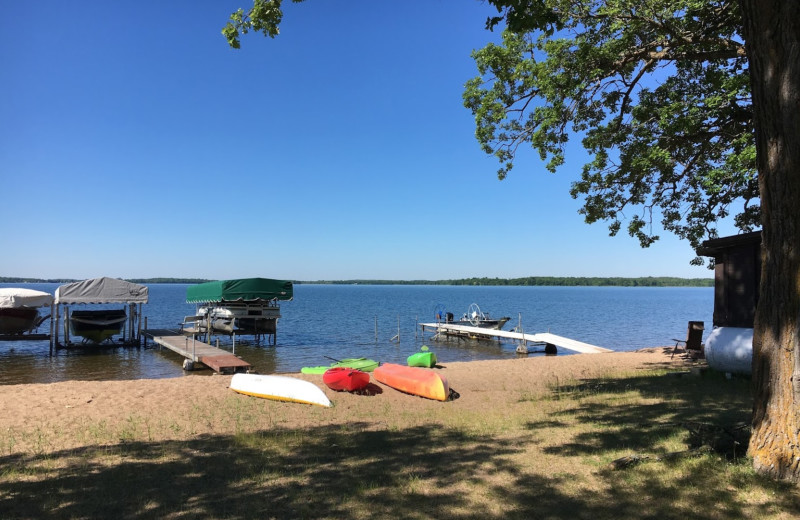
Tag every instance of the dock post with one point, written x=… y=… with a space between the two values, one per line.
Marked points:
x=139 y=326
x=376 y=329
x=66 y=325
x=131 y=322
x=54 y=339
x=397 y=337
x=53 y=317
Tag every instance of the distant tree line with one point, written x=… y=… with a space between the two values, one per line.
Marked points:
x=9 y=279
x=167 y=280
x=12 y=279
x=559 y=281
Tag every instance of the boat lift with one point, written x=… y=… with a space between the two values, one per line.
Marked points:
x=102 y=290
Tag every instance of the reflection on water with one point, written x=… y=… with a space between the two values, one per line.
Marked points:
x=328 y=322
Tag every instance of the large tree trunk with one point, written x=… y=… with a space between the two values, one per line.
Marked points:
x=772 y=31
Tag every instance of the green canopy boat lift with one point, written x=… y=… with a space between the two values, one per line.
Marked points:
x=245 y=306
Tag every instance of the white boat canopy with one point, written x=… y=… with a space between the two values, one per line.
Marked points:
x=14 y=297
x=101 y=290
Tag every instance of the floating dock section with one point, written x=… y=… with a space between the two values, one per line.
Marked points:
x=450 y=329
x=195 y=351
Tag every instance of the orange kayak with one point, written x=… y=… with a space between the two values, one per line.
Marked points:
x=413 y=380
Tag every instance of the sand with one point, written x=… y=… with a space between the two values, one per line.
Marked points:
x=43 y=417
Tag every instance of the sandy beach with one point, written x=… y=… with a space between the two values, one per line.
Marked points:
x=526 y=438
x=44 y=417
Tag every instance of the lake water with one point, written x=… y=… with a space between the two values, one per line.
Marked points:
x=341 y=321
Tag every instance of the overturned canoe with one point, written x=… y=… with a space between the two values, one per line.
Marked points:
x=279 y=388
x=363 y=364
x=413 y=380
x=345 y=379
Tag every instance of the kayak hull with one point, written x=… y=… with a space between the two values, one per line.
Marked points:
x=363 y=364
x=422 y=359
x=345 y=379
x=279 y=388
x=413 y=380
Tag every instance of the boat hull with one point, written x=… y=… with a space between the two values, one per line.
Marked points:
x=97 y=326
x=491 y=324
x=363 y=364
x=474 y=317
x=413 y=380
x=345 y=379
x=243 y=317
x=17 y=320
x=279 y=388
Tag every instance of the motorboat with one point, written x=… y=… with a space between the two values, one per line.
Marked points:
x=19 y=309
x=474 y=317
x=18 y=320
x=242 y=306
x=97 y=326
x=241 y=317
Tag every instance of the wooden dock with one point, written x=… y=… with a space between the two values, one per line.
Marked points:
x=539 y=337
x=196 y=351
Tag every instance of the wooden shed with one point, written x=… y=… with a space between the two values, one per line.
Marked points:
x=737 y=274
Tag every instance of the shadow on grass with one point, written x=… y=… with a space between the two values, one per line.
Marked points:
x=703 y=409
x=352 y=471
x=677 y=403
x=330 y=472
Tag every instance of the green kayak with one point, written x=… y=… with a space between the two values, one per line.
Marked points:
x=363 y=364
x=422 y=359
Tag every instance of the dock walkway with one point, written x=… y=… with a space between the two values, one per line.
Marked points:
x=214 y=358
x=539 y=337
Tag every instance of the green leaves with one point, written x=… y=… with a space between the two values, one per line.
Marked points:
x=265 y=16
x=658 y=91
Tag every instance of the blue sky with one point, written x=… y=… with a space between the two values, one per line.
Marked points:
x=135 y=143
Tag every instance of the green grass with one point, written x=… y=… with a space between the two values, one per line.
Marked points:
x=548 y=456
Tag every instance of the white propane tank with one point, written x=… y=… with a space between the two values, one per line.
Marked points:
x=730 y=349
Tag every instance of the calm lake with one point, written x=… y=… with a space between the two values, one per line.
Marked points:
x=341 y=321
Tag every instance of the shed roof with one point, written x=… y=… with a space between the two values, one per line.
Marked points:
x=715 y=246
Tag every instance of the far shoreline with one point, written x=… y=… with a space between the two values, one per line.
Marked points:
x=531 y=281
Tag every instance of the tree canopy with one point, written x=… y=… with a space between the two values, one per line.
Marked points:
x=658 y=91
x=265 y=17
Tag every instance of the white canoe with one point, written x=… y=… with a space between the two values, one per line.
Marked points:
x=279 y=388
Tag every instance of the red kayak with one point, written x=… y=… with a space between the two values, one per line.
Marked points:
x=347 y=379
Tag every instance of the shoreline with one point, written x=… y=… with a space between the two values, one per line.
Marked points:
x=55 y=416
